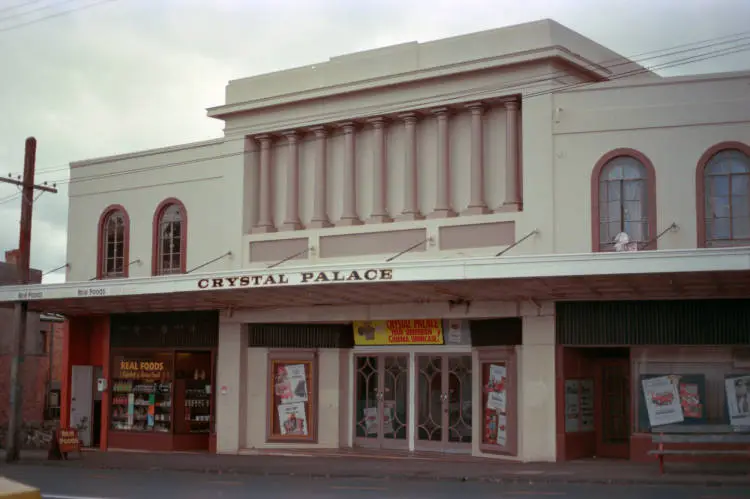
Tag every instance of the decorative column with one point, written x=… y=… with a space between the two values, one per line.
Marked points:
x=320 y=197
x=512 y=143
x=411 y=186
x=477 y=205
x=349 y=213
x=442 y=203
x=265 y=186
x=291 y=218
x=379 y=213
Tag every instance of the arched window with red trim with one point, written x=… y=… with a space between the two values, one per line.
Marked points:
x=723 y=181
x=623 y=200
x=114 y=241
x=170 y=238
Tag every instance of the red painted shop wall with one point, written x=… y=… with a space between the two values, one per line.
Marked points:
x=85 y=343
x=572 y=363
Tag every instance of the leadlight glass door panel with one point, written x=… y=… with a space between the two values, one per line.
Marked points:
x=431 y=417
x=381 y=398
x=394 y=402
x=444 y=403
x=459 y=400
x=367 y=428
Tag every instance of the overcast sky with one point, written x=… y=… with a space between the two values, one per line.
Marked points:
x=126 y=75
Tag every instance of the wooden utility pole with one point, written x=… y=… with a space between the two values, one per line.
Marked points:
x=15 y=420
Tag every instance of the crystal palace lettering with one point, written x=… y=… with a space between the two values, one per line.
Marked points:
x=275 y=279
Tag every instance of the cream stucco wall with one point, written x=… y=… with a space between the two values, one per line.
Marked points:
x=673 y=122
x=207 y=177
x=218 y=180
x=257 y=406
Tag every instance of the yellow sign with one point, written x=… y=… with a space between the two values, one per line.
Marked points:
x=402 y=332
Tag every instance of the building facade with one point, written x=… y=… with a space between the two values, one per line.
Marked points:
x=41 y=371
x=426 y=247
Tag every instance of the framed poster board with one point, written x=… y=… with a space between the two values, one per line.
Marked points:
x=691 y=390
x=498 y=401
x=292 y=408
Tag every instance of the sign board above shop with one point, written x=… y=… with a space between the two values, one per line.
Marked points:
x=399 y=332
x=298 y=278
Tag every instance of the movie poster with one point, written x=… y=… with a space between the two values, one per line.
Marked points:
x=738 y=400
x=662 y=401
x=292 y=419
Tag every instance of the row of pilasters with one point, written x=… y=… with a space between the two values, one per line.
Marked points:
x=378 y=183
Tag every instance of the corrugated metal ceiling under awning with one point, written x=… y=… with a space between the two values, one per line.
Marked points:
x=686 y=285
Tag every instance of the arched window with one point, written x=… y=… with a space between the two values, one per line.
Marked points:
x=623 y=200
x=724 y=175
x=114 y=236
x=170 y=223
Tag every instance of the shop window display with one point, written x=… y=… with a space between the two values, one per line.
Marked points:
x=292 y=411
x=166 y=392
x=193 y=384
x=691 y=385
x=142 y=393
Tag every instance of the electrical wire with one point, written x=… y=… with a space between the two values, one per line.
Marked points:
x=19 y=6
x=27 y=12
x=10 y=198
x=58 y=14
x=606 y=65
x=487 y=90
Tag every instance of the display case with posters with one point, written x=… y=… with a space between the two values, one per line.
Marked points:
x=499 y=407
x=292 y=407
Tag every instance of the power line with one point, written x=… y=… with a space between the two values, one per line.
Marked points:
x=606 y=65
x=477 y=92
x=10 y=198
x=688 y=60
x=58 y=14
x=19 y=6
x=41 y=7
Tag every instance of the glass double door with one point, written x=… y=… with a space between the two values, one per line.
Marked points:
x=441 y=407
x=444 y=403
x=382 y=401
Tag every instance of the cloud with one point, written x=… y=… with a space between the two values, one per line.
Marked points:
x=136 y=74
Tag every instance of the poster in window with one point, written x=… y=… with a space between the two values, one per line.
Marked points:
x=292 y=419
x=292 y=415
x=572 y=405
x=690 y=400
x=663 y=402
x=587 y=405
x=738 y=399
x=291 y=383
x=496 y=393
x=502 y=430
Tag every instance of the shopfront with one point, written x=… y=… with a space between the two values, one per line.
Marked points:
x=627 y=368
x=143 y=381
x=390 y=385
x=162 y=380
x=417 y=384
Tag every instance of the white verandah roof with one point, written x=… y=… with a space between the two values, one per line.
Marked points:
x=665 y=274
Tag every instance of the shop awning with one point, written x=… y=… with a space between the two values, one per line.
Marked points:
x=704 y=273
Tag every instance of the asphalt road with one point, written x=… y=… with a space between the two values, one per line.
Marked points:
x=58 y=483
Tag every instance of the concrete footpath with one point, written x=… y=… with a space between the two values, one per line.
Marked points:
x=347 y=464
